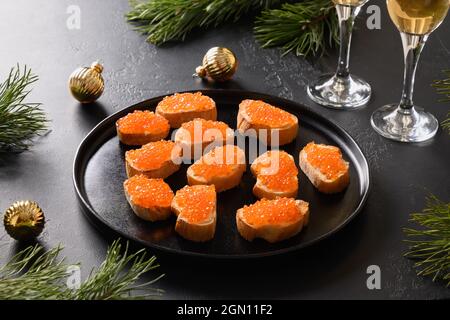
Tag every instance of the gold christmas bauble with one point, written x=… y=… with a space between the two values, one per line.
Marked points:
x=86 y=84
x=24 y=220
x=219 y=64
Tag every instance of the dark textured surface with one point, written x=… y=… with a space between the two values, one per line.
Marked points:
x=99 y=165
x=34 y=32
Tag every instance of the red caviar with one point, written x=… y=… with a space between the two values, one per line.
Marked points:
x=198 y=127
x=262 y=113
x=277 y=171
x=221 y=161
x=196 y=202
x=147 y=192
x=153 y=155
x=327 y=159
x=143 y=122
x=270 y=212
x=186 y=102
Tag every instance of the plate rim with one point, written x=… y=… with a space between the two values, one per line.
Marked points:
x=91 y=213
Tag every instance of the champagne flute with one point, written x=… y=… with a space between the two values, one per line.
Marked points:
x=342 y=90
x=416 y=20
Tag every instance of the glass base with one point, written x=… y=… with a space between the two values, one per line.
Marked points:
x=340 y=93
x=412 y=125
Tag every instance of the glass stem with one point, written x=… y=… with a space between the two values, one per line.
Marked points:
x=346 y=15
x=412 y=47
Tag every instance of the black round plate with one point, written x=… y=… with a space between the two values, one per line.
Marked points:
x=99 y=172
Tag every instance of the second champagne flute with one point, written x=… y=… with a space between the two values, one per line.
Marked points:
x=416 y=20
x=342 y=90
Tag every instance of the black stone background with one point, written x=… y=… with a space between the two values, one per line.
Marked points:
x=35 y=33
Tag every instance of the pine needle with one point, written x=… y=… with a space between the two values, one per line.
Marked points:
x=443 y=88
x=19 y=121
x=34 y=274
x=114 y=280
x=446 y=123
x=430 y=244
x=166 y=20
x=305 y=28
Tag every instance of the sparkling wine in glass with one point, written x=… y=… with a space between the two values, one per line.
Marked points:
x=416 y=20
x=342 y=90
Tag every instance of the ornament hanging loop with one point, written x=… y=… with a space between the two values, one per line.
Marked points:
x=200 y=71
x=97 y=66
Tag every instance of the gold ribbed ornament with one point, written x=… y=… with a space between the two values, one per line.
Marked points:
x=86 y=83
x=24 y=220
x=219 y=64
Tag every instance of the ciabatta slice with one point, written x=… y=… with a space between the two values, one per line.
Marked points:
x=325 y=167
x=197 y=135
x=150 y=199
x=195 y=208
x=276 y=175
x=257 y=118
x=155 y=160
x=222 y=167
x=183 y=107
x=272 y=220
x=141 y=127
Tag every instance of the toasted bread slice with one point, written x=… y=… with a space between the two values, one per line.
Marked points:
x=157 y=159
x=222 y=167
x=196 y=135
x=141 y=127
x=272 y=220
x=195 y=207
x=150 y=199
x=325 y=167
x=276 y=175
x=267 y=122
x=183 y=107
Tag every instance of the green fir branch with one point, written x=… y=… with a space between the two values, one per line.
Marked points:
x=117 y=276
x=20 y=121
x=430 y=243
x=446 y=123
x=34 y=274
x=443 y=88
x=305 y=28
x=166 y=20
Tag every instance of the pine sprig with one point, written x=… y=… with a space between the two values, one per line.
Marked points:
x=35 y=274
x=166 y=20
x=443 y=88
x=430 y=244
x=446 y=123
x=305 y=28
x=115 y=280
x=20 y=121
